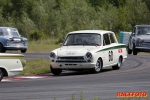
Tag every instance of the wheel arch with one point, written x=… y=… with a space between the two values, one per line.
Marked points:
x=2 y=47
x=121 y=58
x=2 y=43
x=100 y=58
x=5 y=73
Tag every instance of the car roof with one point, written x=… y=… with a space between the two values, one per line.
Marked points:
x=142 y=25
x=91 y=31
x=5 y=27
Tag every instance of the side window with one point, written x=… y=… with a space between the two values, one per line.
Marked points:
x=1 y=33
x=106 y=39
x=112 y=39
x=134 y=31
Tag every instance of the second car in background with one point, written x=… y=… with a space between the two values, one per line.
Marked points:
x=139 y=40
x=10 y=39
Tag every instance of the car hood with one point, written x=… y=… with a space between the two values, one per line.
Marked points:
x=75 y=50
x=144 y=37
x=17 y=39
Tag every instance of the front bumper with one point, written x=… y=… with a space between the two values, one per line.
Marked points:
x=15 y=47
x=66 y=65
x=143 y=49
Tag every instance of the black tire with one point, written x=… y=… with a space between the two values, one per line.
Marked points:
x=118 y=66
x=134 y=50
x=1 y=75
x=55 y=71
x=98 y=66
x=23 y=51
x=129 y=50
x=2 y=49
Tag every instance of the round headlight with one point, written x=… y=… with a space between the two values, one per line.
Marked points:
x=52 y=55
x=88 y=56
x=140 y=40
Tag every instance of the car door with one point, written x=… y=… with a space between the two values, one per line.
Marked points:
x=114 y=50
x=108 y=53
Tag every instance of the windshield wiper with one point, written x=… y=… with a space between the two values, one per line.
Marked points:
x=75 y=44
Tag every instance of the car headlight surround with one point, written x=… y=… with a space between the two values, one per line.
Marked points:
x=139 y=40
x=9 y=40
x=52 y=55
x=88 y=56
x=25 y=42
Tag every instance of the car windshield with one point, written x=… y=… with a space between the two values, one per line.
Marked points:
x=9 y=32
x=83 y=39
x=14 y=33
x=143 y=31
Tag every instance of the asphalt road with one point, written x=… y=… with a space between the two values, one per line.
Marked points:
x=134 y=76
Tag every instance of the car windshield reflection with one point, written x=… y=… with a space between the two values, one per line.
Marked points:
x=9 y=32
x=143 y=31
x=88 y=39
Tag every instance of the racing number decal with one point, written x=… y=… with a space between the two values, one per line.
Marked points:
x=110 y=54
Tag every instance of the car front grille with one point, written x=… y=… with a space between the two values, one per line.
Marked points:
x=71 y=59
x=145 y=44
x=16 y=44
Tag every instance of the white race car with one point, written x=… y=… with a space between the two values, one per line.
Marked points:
x=88 y=49
x=11 y=64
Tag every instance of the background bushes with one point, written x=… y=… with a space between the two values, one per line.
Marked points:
x=37 y=35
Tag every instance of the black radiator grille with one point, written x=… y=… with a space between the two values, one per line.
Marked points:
x=71 y=59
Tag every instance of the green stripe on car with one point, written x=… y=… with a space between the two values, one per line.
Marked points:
x=115 y=47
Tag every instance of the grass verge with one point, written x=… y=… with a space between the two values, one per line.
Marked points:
x=36 y=66
x=42 y=46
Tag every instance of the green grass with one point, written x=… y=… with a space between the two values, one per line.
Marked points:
x=36 y=66
x=42 y=46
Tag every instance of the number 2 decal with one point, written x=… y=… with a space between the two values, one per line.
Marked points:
x=110 y=54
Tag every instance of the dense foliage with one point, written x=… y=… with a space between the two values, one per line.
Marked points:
x=55 y=18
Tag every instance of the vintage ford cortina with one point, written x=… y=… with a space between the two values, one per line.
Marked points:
x=11 y=64
x=88 y=49
x=10 y=39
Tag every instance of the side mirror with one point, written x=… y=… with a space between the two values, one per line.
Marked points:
x=61 y=44
x=133 y=34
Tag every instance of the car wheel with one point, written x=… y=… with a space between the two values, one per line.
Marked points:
x=1 y=75
x=129 y=50
x=55 y=71
x=134 y=50
x=98 y=66
x=118 y=66
x=2 y=49
x=23 y=51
